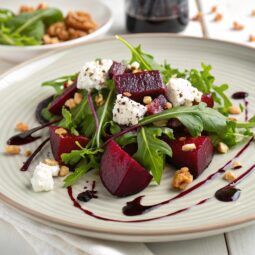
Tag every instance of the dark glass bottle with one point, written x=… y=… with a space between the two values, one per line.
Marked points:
x=156 y=15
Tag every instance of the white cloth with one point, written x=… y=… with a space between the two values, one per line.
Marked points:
x=49 y=241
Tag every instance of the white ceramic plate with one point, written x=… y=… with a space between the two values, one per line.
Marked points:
x=99 y=11
x=20 y=92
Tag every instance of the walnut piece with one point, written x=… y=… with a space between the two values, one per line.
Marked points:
x=251 y=38
x=218 y=17
x=80 y=21
x=189 y=147
x=26 y=9
x=12 y=149
x=70 y=103
x=229 y=176
x=182 y=178
x=222 y=148
x=234 y=109
x=147 y=100
x=59 y=30
x=28 y=153
x=74 y=33
x=63 y=171
x=99 y=99
x=77 y=98
x=237 y=26
x=60 y=131
x=50 y=162
x=214 y=8
x=22 y=127
x=50 y=40
x=198 y=17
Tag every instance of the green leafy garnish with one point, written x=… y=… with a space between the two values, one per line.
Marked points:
x=152 y=150
x=5 y=15
x=67 y=122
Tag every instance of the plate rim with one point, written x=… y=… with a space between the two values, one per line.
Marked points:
x=126 y=232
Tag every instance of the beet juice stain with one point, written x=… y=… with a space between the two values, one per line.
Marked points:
x=87 y=195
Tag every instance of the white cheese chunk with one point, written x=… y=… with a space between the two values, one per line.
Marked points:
x=42 y=179
x=94 y=74
x=127 y=112
x=181 y=92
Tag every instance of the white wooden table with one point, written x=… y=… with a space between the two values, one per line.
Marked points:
x=240 y=242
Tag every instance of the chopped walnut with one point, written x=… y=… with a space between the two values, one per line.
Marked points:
x=12 y=149
x=70 y=103
x=81 y=21
x=99 y=99
x=222 y=148
x=28 y=153
x=22 y=127
x=229 y=176
x=74 y=33
x=182 y=138
x=60 y=131
x=188 y=147
x=253 y=13
x=42 y=6
x=127 y=94
x=234 y=109
x=59 y=30
x=251 y=38
x=198 y=17
x=237 y=26
x=182 y=178
x=26 y=9
x=168 y=105
x=63 y=171
x=77 y=98
x=218 y=17
x=214 y=8
x=50 y=40
x=236 y=165
x=50 y=162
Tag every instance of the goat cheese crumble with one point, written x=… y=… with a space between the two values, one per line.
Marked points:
x=126 y=111
x=94 y=74
x=42 y=179
x=181 y=92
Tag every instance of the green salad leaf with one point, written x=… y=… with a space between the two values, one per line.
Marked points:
x=68 y=122
x=152 y=150
x=5 y=15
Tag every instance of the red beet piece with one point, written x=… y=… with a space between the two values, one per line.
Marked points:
x=157 y=105
x=208 y=99
x=196 y=160
x=56 y=105
x=116 y=69
x=148 y=83
x=64 y=143
x=120 y=173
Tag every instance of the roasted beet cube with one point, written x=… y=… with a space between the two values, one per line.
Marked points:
x=139 y=85
x=157 y=105
x=208 y=99
x=120 y=173
x=116 y=69
x=64 y=143
x=56 y=105
x=197 y=159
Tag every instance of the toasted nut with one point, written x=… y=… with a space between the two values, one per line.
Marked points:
x=147 y=99
x=26 y=9
x=50 y=162
x=28 y=153
x=214 y=8
x=182 y=138
x=70 y=103
x=237 y=26
x=137 y=71
x=236 y=165
x=63 y=171
x=77 y=98
x=229 y=176
x=222 y=148
x=189 y=147
x=160 y=123
x=127 y=94
x=12 y=149
x=60 y=131
x=99 y=99
x=232 y=119
x=74 y=33
x=22 y=127
x=218 y=17
x=182 y=178
x=58 y=30
x=168 y=105
x=251 y=38
x=42 y=6
x=253 y=13
x=234 y=109
x=50 y=40
x=197 y=17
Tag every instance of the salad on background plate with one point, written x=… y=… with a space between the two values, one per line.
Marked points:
x=128 y=120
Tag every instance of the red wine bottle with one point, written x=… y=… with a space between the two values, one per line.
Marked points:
x=156 y=15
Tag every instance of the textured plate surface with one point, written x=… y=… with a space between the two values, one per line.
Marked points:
x=20 y=92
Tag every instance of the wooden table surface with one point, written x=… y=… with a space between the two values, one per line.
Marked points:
x=239 y=242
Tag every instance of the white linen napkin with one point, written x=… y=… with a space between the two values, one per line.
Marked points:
x=49 y=241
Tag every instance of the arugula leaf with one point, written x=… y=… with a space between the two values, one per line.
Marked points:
x=113 y=127
x=167 y=72
x=58 y=83
x=196 y=118
x=67 y=122
x=152 y=150
x=128 y=138
x=145 y=60
x=82 y=168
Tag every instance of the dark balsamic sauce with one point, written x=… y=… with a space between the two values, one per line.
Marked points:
x=135 y=207
x=87 y=195
x=27 y=163
x=240 y=95
x=26 y=137
x=228 y=194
